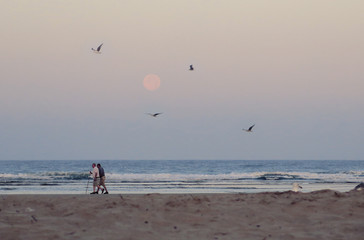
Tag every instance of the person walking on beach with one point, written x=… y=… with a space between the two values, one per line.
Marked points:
x=102 y=180
x=96 y=176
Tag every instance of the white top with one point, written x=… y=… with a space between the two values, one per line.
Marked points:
x=95 y=172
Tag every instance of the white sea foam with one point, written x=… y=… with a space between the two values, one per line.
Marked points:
x=181 y=176
x=303 y=176
x=9 y=176
x=43 y=176
x=167 y=177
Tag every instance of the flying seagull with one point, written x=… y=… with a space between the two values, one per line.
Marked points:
x=154 y=114
x=249 y=129
x=98 y=49
x=191 y=68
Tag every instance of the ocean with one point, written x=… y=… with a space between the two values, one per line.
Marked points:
x=179 y=176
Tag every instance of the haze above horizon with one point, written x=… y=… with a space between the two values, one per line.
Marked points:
x=292 y=68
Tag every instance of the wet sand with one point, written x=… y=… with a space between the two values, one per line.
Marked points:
x=316 y=215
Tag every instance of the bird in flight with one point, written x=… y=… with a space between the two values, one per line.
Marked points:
x=98 y=49
x=249 y=129
x=191 y=68
x=154 y=114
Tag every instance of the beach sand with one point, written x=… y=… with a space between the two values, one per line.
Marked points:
x=316 y=215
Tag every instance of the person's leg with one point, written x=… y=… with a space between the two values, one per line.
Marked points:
x=99 y=187
x=105 y=188
x=103 y=184
x=94 y=185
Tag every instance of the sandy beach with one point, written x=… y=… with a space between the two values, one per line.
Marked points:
x=322 y=214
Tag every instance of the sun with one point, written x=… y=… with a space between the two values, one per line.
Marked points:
x=151 y=82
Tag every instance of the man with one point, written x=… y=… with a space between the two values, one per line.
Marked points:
x=102 y=180
x=96 y=177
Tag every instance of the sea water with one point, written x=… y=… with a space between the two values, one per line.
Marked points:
x=179 y=176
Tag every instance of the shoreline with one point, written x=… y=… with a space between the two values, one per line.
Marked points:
x=143 y=188
x=324 y=214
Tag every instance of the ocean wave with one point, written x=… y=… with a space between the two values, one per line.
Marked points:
x=279 y=176
x=56 y=177
x=45 y=176
x=356 y=173
x=7 y=189
x=67 y=175
x=20 y=176
x=256 y=176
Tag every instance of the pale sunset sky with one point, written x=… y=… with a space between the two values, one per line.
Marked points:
x=293 y=68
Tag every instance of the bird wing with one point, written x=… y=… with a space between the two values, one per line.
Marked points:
x=153 y=114
x=251 y=127
x=99 y=48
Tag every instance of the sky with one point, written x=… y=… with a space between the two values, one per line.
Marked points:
x=293 y=68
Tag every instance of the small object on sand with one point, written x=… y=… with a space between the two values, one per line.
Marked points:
x=28 y=209
x=34 y=218
x=191 y=68
x=359 y=187
x=296 y=187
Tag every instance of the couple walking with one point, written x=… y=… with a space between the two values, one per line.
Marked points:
x=98 y=175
